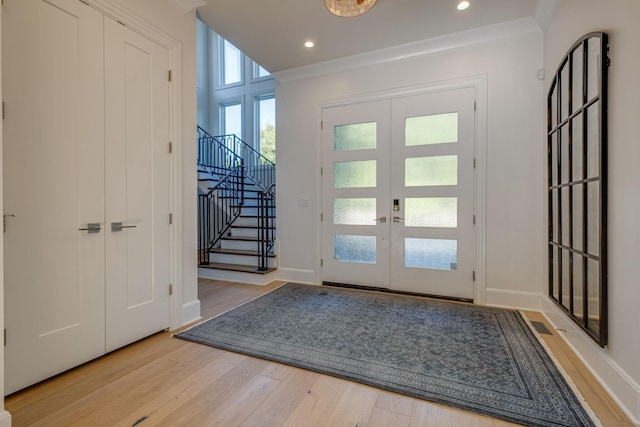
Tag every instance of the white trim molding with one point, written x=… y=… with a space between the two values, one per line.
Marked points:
x=480 y=84
x=413 y=49
x=188 y=5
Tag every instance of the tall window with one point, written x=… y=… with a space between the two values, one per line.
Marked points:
x=266 y=119
x=235 y=94
x=232 y=119
x=231 y=60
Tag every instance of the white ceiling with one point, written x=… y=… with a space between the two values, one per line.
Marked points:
x=272 y=32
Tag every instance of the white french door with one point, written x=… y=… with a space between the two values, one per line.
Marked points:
x=74 y=287
x=398 y=193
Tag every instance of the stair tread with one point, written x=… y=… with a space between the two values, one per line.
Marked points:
x=241 y=238
x=253 y=227
x=238 y=252
x=236 y=267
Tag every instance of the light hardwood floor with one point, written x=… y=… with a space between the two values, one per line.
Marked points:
x=164 y=381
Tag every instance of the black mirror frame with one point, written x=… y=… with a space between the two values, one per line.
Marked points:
x=577 y=185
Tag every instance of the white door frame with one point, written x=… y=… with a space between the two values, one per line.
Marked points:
x=127 y=18
x=479 y=83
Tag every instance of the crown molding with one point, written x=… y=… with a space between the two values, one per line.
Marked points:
x=188 y=5
x=411 y=50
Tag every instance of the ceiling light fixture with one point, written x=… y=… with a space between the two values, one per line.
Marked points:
x=308 y=44
x=463 y=5
x=349 y=8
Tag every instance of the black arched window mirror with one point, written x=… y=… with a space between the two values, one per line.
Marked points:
x=577 y=190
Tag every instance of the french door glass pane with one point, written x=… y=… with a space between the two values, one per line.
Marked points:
x=350 y=248
x=358 y=136
x=437 y=254
x=356 y=174
x=429 y=171
x=358 y=211
x=431 y=212
x=433 y=129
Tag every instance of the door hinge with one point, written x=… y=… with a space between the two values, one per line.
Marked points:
x=170 y=289
x=2 y=110
x=321 y=124
x=5 y=337
x=321 y=171
x=321 y=262
x=170 y=147
x=474 y=220
x=474 y=163
x=170 y=218
x=475 y=106
x=169 y=75
x=474 y=275
x=321 y=217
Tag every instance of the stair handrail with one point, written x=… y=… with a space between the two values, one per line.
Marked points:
x=218 y=209
x=215 y=156
x=258 y=168
x=266 y=225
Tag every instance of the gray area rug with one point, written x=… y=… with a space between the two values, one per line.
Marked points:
x=475 y=358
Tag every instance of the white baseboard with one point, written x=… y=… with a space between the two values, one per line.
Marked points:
x=620 y=386
x=237 y=276
x=512 y=299
x=5 y=419
x=190 y=312
x=307 y=277
x=617 y=383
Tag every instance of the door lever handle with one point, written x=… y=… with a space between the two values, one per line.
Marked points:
x=92 y=227
x=398 y=219
x=117 y=226
x=381 y=219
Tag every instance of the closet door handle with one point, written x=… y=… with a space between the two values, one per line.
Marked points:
x=117 y=226
x=92 y=227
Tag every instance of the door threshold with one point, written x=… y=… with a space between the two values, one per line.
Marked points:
x=395 y=291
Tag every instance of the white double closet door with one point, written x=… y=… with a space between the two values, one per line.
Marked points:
x=86 y=187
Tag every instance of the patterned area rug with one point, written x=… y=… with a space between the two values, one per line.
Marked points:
x=475 y=358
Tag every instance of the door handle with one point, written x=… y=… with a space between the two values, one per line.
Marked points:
x=4 y=220
x=92 y=227
x=117 y=226
x=381 y=219
x=398 y=219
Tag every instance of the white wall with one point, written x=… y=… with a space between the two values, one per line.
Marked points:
x=516 y=166
x=619 y=364
x=5 y=418
x=172 y=20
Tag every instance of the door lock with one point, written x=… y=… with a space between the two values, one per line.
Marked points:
x=398 y=219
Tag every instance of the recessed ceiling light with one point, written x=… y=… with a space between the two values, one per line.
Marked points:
x=308 y=44
x=463 y=5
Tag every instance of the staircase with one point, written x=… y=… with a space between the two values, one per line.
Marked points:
x=236 y=206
